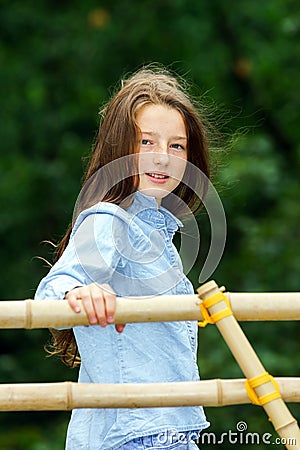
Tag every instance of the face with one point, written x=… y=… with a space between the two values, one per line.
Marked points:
x=162 y=151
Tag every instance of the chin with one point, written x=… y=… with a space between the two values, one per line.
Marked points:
x=157 y=193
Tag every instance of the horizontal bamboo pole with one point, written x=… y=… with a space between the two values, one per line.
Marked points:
x=69 y=395
x=55 y=314
x=259 y=306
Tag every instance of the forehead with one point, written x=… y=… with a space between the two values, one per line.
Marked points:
x=160 y=118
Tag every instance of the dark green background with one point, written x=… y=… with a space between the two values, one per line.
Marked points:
x=60 y=60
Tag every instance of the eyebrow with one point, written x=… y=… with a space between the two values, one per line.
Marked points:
x=152 y=133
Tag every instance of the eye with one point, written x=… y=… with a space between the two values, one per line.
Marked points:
x=177 y=147
x=146 y=142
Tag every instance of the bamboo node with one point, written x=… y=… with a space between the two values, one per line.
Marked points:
x=69 y=395
x=293 y=421
x=208 y=303
x=28 y=314
x=253 y=383
x=219 y=392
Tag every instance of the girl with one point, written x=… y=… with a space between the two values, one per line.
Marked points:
x=139 y=178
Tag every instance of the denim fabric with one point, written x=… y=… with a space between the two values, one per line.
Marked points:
x=131 y=250
x=160 y=441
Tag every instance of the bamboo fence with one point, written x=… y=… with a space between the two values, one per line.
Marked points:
x=236 y=306
x=54 y=314
x=263 y=387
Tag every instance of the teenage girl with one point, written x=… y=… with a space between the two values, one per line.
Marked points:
x=139 y=179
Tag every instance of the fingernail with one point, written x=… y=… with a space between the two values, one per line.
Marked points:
x=110 y=319
x=77 y=309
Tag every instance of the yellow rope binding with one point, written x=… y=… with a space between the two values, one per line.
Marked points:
x=211 y=301
x=252 y=383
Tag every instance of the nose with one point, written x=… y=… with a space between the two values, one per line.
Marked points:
x=161 y=157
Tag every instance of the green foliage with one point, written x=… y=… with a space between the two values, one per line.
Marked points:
x=32 y=436
x=60 y=61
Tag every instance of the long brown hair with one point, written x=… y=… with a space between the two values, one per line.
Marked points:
x=118 y=136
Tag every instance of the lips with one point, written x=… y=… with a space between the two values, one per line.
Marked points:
x=157 y=177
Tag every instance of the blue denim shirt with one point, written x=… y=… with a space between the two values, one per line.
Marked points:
x=132 y=251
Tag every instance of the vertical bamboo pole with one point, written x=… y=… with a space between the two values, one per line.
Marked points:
x=283 y=422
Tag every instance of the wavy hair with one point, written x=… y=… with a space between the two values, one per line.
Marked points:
x=118 y=136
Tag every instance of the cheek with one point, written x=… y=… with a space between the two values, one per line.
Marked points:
x=179 y=167
x=144 y=161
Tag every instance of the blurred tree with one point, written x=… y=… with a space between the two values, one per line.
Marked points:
x=60 y=61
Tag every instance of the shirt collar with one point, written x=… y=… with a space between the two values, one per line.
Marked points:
x=147 y=209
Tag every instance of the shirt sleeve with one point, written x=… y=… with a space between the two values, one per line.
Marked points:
x=91 y=256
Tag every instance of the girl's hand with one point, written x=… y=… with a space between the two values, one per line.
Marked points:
x=99 y=302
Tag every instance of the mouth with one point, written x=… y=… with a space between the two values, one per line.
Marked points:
x=157 y=177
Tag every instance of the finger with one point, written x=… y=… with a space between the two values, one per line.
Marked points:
x=71 y=297
x=110 y=302
x=88 y=304
x=98 y=300
x=120 y=327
